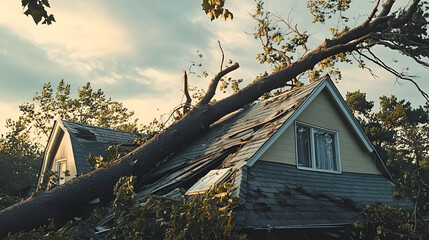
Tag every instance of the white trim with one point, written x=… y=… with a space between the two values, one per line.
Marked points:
x=338 y=99
x=54 y=137
x=58 y=164
x=313 y=151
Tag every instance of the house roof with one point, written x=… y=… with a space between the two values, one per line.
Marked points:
x=280 y=196
x=239 y=139
x=230 y=142
x=87 y=139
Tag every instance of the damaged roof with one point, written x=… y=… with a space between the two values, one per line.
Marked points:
x=270 y=192
x=230 y=142
x=87 y=139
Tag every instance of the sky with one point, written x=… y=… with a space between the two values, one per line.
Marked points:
x=136 y=51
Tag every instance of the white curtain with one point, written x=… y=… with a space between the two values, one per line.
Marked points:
x=324 y=150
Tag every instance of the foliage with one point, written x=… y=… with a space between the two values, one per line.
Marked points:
x=208 y=217
x=400 y=132
x=90 y=107
x=113 y=152
x=20 y=152
x=322 y=9
x=205 y=217
x=283 y=43
x=357 y=102
x=36 y=9
x=397 y=129
x=280 y=41
x=215 y=9
x=20 y=162
x=387 y=222
x=414 y=184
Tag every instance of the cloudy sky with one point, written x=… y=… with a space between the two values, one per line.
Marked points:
x=136 y=50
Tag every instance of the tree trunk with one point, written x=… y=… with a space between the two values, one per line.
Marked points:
x=38 y=209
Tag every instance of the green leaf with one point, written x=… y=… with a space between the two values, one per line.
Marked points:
x=37 y=14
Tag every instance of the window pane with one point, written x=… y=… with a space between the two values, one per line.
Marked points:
x=324 y=146
x=61 y=172
x=303 y=146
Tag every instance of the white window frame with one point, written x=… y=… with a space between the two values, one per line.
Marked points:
x=59 y=173
x=312 y=147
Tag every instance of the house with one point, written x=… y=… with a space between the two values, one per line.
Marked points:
x=70 y=143
x=299 y=162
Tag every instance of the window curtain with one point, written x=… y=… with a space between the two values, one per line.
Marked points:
x=325 y=150
x=303 y=146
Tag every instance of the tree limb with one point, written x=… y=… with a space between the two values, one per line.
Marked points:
x=223 y=55
x=188 y=102
x=213 y=85
x=405 y=51
x=380 y=63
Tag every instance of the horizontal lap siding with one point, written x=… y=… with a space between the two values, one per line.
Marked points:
x=323 y=112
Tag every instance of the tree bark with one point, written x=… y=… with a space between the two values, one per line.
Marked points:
x=38 y=209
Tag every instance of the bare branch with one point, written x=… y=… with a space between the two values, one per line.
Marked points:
x=223 y=55
x=405 y=51
x=371 y=16
x=188 y=102
x=294 y=30
x=364 y=67
x=401 y=76
x=213 y=85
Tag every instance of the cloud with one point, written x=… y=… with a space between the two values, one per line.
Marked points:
x=12 y=111
x=82 y=30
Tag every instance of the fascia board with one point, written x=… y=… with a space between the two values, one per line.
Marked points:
x=58 y=125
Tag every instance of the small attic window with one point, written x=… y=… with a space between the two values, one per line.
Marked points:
x=317 y=148
x=84 y=133
x=213 y=177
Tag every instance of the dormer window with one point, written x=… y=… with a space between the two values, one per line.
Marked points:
x=317 y=148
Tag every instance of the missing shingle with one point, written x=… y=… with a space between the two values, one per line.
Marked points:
x=261 y=207
x=257 y=194
x=285 y=198
x=342 y=201
x=84 y=133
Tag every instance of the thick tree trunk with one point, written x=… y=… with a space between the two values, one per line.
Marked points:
x=38 y=209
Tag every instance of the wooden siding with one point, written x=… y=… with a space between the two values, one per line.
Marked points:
x=65 y=152
x=323 y=113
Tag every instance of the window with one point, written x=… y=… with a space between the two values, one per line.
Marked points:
x=61 y=172
x=317 y=148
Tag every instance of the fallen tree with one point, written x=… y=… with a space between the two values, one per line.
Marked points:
x=375 y=30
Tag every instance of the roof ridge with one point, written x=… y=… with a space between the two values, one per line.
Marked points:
x=99 y=127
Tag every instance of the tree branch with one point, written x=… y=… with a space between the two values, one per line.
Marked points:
x=223 y=55
x=405 y=51
x=213 y=85
x=188 y=102
x=371 y=16
x=380 y=63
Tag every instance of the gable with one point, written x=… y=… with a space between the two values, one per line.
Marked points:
x=322 y=112
x=58 y=148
